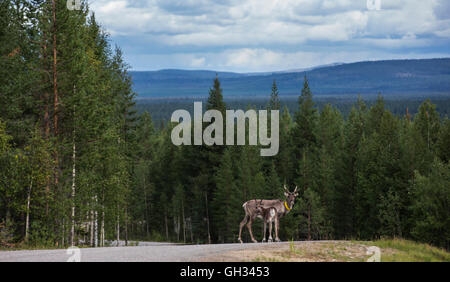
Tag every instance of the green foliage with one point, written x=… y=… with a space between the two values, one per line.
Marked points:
x=226 y=202
x=274 y=103
x=443 y=143
x=430 y=206
x=398 y=250
x=312 y=221
x=75 y=155
x=215 y=99
x=4 y=139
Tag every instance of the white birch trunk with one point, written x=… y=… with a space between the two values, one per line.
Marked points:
x=91 y=215
x=102 y=233
x=184 y=221
x=63 y=232
x=74 y=154
x=96 y=225
x=118 y=226
x=27 y=224
x=167 y=224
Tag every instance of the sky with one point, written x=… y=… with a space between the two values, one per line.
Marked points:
x=272 y=35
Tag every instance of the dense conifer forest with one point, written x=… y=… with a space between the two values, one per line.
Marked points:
x=81 y=164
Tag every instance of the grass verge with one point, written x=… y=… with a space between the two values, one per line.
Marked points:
x=399 y=250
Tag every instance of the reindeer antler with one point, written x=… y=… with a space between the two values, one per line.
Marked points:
x=296 y=188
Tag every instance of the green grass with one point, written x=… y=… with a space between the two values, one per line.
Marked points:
x=398 y=250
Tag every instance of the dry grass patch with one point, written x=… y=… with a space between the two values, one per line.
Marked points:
x=297 y=252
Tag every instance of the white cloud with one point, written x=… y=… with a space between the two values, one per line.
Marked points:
x=198 y=62
x=250 y=34
x=264 y=21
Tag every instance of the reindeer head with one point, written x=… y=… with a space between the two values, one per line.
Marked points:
x=290 y=196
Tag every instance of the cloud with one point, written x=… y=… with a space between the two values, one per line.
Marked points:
x=198 y=62
x=271 y=30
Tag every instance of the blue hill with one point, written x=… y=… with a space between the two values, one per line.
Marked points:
x=393 y=77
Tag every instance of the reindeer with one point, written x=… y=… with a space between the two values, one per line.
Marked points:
x=256 y=209
x=269 y=216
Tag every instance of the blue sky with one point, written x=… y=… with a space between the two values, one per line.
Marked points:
x=272 y=35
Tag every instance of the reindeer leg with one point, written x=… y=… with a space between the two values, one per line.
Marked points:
x=270 y=232
x=277 y=227
x=243 y=222
x=249 y=226
x=264 y=235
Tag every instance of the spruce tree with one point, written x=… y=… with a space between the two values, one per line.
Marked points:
x=274 y=103
x=344 y=205
x=226 y=207
x=430 y=206
x=443 y=142
x=215 y=99
x=303 y=134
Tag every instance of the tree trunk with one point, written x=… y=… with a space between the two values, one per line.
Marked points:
x=55 y=76
x=207 y=217
x=55 y=92
x=102 y=229
x=190 y=229
x=63 y=241
x=184 y=222
x=96 y=224
x=126 y=226
x=74 y=154
x=167 y=224
x=102 y=232
x=46 y=119
x=146 y=210
x=92 y=227
x=309 y=222
x=176 y=221
x=27 y=224
x=118 y=226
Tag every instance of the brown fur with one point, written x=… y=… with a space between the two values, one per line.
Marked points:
x=256 y=209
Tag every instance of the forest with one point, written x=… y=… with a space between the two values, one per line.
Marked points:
x=81 y=164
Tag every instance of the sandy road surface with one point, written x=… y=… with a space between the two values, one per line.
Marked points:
x=150 y=252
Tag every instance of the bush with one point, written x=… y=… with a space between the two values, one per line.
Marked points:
x=6 y=235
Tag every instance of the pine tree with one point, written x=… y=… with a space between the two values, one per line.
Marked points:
x=38 y=168
x=215 y=99
x=427 y=123
x=274 y=184
x=430 y=206
x=274 y=103
x=18 y=75
x=226 y=201
x=443 y=142
x=312 y=222
x=303 y=134
x=344 y=205
x=284 y=158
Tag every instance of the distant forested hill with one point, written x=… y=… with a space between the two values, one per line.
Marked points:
x=394 y=77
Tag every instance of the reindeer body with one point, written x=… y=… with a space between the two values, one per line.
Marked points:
x=270 y=211
x=269 y=216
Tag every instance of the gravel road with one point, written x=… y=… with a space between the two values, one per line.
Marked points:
x=147 y=252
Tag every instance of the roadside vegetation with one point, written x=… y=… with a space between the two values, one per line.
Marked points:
x=391 y=250
x=397 y=250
